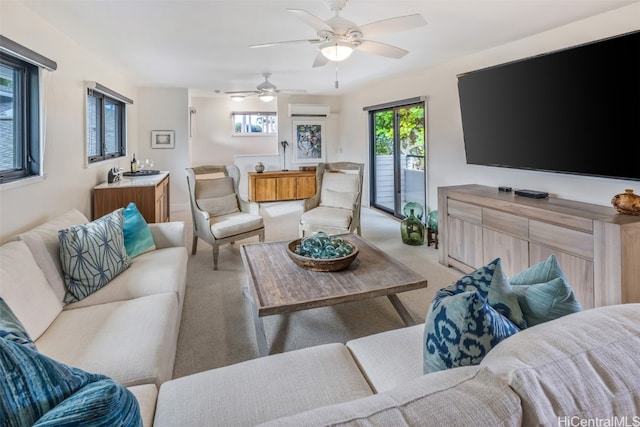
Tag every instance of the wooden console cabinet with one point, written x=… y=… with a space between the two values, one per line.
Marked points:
x=150 y=194
x=598 y=248
x=281 y=185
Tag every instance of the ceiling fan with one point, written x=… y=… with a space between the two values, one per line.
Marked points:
x=266 y=91
x=337 y=37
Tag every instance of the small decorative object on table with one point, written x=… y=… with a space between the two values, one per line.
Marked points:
x=322 y=252
x=627 y=202
x=259 y=167
x=284 y=145
x=412 y=228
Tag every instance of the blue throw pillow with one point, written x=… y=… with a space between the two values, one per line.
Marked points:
x=92 y=254
x=11 y=327
x=33 y=385
x=493 y=284
x=460 y=329
x=137 y=234
x=544 y=293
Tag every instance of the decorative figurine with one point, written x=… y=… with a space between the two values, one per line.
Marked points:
x=627 y=202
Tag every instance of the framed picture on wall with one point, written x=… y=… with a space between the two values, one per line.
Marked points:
x=163 y=139
x=308 y=141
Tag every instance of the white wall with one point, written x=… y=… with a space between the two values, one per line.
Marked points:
x=166 y=109
x=68 y=181
x=445 y=156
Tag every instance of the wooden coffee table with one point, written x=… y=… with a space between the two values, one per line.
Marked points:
x=275 y=285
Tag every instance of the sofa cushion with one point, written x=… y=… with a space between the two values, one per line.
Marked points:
x=327 y=217
x=583 y=365
x=232 y=224
x=38 y=390
x=467 y=396
x=544 y=293
x=137 y=235
x=146 y=395
x=44 y=244
x=460 y=329
x=11 y=328
x=392 y=358
x=155 y=272
x=250 y=392
x=26 y=290
x=493 y=285
x=133 y=341
x=92 y=254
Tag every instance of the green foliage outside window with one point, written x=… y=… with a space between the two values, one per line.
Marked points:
x=411 y=123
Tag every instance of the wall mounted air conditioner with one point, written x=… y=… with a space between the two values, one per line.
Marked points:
x=308 y=110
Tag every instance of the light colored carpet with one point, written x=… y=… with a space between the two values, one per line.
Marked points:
x=217 y=325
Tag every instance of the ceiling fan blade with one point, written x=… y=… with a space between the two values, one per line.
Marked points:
x=317 y=23
x=291 y=91
x=392 y=25
x=241 y=92
x=381 y=49
x=311 y=41
x=320 y=60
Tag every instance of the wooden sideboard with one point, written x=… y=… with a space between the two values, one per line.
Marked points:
x=281 y=185
x=598 y=248
x=150 y=194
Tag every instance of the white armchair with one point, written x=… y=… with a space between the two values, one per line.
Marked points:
x=335 y=208
x=220 y=215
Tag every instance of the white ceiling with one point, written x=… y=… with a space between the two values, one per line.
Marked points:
x=203 y=44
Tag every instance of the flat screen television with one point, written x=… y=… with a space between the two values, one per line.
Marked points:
x=575 y=111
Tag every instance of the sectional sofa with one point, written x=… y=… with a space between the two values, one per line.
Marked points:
x=573 y=370
x=127 y=330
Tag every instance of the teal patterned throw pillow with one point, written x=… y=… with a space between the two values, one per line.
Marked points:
x=493 y=285
x=544 y=293
x=92 y=254
x=460 y=329
x=137 y=234
x=11 y=328
x=39 y=391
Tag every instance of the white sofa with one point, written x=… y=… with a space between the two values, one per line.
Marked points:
x=583 y=366
x=128 y=330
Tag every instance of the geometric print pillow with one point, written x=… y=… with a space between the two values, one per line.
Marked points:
x=544 y=293
x=92 y=254
x=493 y=285
x=461 y=327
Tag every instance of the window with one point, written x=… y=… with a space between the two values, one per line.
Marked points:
x=19 y=119
x=254 y=123
x=106 y=136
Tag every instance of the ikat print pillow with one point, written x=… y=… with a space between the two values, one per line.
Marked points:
x=491 y=282
x=40 y=391
x=460 y=329
x=11 y=328
x=544 y=293
x=92 y=254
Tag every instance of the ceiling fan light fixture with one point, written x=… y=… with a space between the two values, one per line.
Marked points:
x=336 y=50
x=237 y=98
x=266 y=97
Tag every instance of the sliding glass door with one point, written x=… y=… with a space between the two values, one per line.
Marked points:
x=398 y=157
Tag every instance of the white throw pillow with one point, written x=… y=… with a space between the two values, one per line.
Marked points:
x=338 y=199
x=217 y=206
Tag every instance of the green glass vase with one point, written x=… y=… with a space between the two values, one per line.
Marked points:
x=412 y=228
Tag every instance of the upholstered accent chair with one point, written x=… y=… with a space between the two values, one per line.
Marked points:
x=220 y=215
x=335 y=208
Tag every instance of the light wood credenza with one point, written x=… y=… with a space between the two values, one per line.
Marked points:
x=150 y=194
x=598 y=248
x=281 y=185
